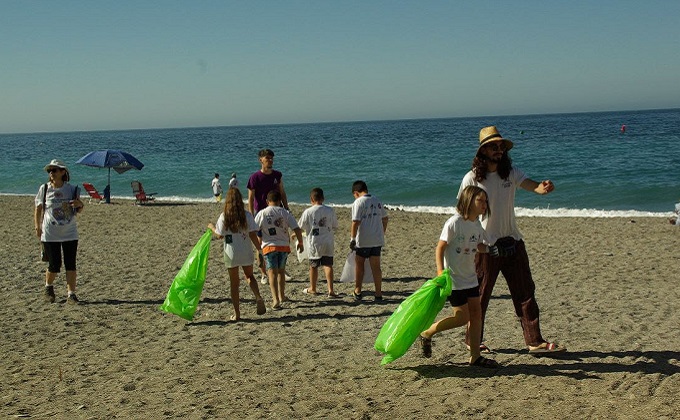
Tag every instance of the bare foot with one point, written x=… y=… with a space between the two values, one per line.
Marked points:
x=261 y=308
x=234 y=318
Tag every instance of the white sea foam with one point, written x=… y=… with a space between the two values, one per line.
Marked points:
x=519 y=211
x=540 y=212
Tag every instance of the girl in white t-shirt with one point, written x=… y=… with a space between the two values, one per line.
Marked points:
x=460 y=240
x=238 y=229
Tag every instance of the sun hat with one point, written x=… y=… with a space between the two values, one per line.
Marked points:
x=56 y=163
x=489 y=134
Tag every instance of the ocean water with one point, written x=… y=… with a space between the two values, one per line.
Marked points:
x=410 y=164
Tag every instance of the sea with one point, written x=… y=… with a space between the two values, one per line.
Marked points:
x=599 y=170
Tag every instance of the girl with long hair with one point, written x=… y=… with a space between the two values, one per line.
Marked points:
x=461 y=239
x=237 y=228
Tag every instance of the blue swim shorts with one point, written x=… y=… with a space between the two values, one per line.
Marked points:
x=275 y=260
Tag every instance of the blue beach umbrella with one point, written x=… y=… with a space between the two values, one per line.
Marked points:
x=117 y=159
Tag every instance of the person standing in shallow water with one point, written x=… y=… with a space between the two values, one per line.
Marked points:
x=217 y=188
x=493 y=171
x=233 y=181
x=56 y=206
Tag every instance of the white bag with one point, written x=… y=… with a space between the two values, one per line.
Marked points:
x=348 y=270
x=304 y=255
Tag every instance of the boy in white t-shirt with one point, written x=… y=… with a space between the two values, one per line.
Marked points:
x=274 y=222
x=369 y=222
x=319 y=222
x=217 y=188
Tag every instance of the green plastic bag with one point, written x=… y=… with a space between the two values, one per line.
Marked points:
x=413 y=316
x=185 y=291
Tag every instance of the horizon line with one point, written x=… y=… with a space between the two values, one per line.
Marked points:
x=334 y=122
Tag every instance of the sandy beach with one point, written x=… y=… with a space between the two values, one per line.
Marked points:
x=607 y=289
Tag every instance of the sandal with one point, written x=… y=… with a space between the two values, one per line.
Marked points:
x=308 y=291
x=357 y=296
x=333 y=295
x=426 y=346
x=485 y=363
x=546 y=348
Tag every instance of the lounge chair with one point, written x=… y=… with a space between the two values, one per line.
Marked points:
x=94 y=194
x=141 y=197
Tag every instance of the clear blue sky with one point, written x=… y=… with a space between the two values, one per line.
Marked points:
x=115 y=64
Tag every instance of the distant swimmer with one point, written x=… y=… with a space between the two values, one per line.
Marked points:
x=623 y=128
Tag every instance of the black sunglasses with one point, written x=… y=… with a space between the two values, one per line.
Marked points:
x=54 y=170
x=497 y=147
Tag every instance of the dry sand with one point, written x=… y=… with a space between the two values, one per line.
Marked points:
x=607 y=289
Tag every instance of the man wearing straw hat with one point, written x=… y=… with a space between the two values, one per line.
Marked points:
x=492 y=170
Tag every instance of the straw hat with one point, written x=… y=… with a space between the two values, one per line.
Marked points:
x=56 y=163
x=489 y=134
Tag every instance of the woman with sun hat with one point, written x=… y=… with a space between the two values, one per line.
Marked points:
x=56 y=206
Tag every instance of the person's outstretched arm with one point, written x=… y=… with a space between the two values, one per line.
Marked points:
x=544 y=187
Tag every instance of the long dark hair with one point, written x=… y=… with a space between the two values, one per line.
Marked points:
x=234 y=211
x=480 y=166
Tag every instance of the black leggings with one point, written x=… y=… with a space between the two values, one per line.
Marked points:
x=53 y=250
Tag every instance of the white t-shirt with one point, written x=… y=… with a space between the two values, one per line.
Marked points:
x=368 y=210
x=238 y=249
x=462 y=237
x=318 y=222
x=274 y=223
x=501 y=195
x=233 y=183
x=59 y=221
x=216 y=186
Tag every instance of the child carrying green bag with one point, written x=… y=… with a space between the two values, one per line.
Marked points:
x=460 y=240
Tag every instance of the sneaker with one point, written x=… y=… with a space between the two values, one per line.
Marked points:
x=72 y=299
x=264 y=279
x=49 y=294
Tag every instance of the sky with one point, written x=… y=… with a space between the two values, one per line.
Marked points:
x=106 y=65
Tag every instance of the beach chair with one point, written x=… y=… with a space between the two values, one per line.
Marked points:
x=94 y=194
x=141 y=197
